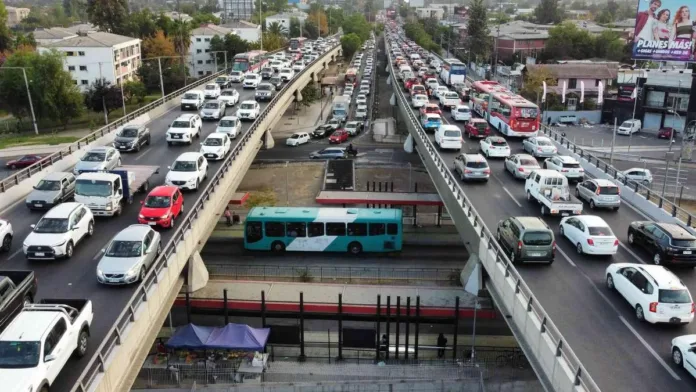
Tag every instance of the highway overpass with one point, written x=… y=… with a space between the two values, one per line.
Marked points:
x=128 y=318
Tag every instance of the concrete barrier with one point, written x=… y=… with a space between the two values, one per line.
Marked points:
x=117 y=360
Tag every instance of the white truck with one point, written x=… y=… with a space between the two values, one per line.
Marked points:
x=550 y=188
x=38 y=343
x=339 y=108
x=105 y=193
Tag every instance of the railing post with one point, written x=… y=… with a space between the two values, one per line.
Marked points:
x=408 y=325
x=398 y=325
x=225 y=308
x=340 y=327
x=302 y=357
x=377 y=327
x=386 y=354
x=456 y=328
x=415 y=343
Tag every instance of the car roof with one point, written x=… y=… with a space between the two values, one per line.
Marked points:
x=474 y=157
x=217 y=101
x=57 y=176
x=229 y=118
x=29 y=326
x=531 y=222
x=186 y=116
x=189 y=156
x=362 y=107
x=132 y=233
x=664 y=278
x=194 y=92
x=216 y=135
x=591 y=220
x=100 y=149
x=524 y=156
x=163 y=190
x=432 y=115
x=603 y=182
x=567 y=159
x=675 y=231
x=62 y=210
x=497 y=139
x=431 y=105
x=450 y=127
x=211 y=84
x=249 y=101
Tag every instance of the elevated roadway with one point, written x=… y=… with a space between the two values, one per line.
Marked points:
x=125 y=316
x=619 y=352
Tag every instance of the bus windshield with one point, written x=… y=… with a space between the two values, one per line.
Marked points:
x=240 y=65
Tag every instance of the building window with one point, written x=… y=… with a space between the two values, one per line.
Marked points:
x=678 y=101
x=208 y=61
x=200 y=73
x=207 y=40
x=198 y=51
x=573 y=83
x=69 y=54
x=209 y=72
x=198 y=40
x=596 y=82
x=81 y=53
x=200 y=61
x=85 y=82
x=71 y=67
x=83 y=68
x=655 y=99
x=207 y=50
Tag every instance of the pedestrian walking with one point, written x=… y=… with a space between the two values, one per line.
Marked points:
x=228 y=216
x=441 y=343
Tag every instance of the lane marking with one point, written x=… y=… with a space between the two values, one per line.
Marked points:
x=559 y=250
x=650 y=349
x=143 y=154
x=11 y=206
x=512 y=197
x=14 y=254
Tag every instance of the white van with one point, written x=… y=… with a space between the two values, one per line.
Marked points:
x=414 y=57
x=448 y=137
x=212 y=91
x=629 y=126
x=192 y=100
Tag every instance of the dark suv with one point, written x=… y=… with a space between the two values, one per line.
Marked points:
x=132 y=138
x=267 y=73
x=667 y=243
x=526 y=239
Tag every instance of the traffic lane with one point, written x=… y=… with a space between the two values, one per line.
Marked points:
x=389 y=153
x=558 y=287
x=602 y=136
x=676 y=176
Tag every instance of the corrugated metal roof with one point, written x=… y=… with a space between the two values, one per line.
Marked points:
x=91 y=40
x=211 y=29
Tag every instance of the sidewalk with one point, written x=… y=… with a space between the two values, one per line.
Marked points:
x=304 y=119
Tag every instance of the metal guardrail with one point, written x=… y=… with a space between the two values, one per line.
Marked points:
x=113 y=337
x=591 y=157
x=17 y=177
x=546 y=327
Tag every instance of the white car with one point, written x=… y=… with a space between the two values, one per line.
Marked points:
x=450 y=100
x=251 y=80
x=590 y=235
x=361 y=100
x=521 y=165
x=684 y=353
x=229 y=96
x=566 y=165
x=655 y=293
x=461 y=113
x=236 y=76
x=286 y=74
x=448 y=137
x=187 y=171
x=636 y=174
x=297 y=67
x=216 y=146
x=213 y=110
x=495 y=147
x=419 y=100
x=184 y=129
x=249 y=110
x=6 y=234
x=539 y=146
x=361 y=112
x=58 y=232
x=277 y=65
x=297 y=139
x=440 y=91
x=98 y=158
x=212 y=91
x=192 y=100
x=432 y=83
x=364 y=90
x=348 y=90
x=229 y=125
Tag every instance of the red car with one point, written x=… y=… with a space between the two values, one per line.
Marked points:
x=338 y=137
x=161 y=207
x=666 y=133
x=477 y=127
x=418 y=89
x=431 y=108
x=24 y=161
x=410 y=83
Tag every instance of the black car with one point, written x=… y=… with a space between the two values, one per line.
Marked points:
x=132 y=138
x=223 y=82
x=277 y=82
x=267 y=73
x=667 y=243
x=322 y=131
x=264 y=92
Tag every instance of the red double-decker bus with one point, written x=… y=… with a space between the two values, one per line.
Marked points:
x=509 y=113
x=250 y=61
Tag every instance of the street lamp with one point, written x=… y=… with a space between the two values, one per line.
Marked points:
x=215 y=55
x=159 y=64
x=31 y=105
x=671 y=134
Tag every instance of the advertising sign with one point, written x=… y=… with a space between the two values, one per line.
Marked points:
x=664 y=31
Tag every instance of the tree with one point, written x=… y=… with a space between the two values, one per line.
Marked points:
x=548 y=12
x=109 y=15
x=319 y=19
x=53 y=91
x=158 y=45
x=350 y=43
x=311 y=30
x=567 y=41
x=533 y=85
x=102 y=95
x=203 y=18
x=335 y=17
x=142 y=24
x=5 y=36
x=135 y=90
x=610 y=46
x=358 y=25
x=416 y=32
x=310 y=94
x=271 y=42
x=180 y=34
x=262 y=198
x=276 y=28
x=478 y=38
x=295 y=28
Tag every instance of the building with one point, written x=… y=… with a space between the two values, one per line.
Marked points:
x=574 y=74
x=202 y=61
x=661 y=93
x=91 y=56
x=426 y=13
x=54 y=34
x=82 y=28
x=173 y=15
x=284 y=18
x=236 y=9
x=16 y=15
x=519 y=40
x=245 y=30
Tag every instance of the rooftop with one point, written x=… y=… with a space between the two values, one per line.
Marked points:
x=211 y=29
x=578 y=71
x=53 y=33
x=82 y=28
x=92 y=40
x=240 y=24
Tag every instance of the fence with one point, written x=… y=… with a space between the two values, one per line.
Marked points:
x=97 y=363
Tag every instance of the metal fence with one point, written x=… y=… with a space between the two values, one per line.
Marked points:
x=97 y=363
x=348 y=274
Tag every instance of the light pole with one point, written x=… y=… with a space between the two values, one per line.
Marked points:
x=262 y=25
x=215 y=55
x=671 y=135
x=31 y=105
x=159 y=65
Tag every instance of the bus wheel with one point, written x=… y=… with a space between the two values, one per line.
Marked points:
x=278 y=246
x=355 y=248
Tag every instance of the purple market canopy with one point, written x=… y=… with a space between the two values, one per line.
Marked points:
x=238 y=337
x=190 y=336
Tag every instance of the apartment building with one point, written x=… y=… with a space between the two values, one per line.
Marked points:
x=202 y=60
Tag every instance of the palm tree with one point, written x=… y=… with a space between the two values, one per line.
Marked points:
x=276 y=28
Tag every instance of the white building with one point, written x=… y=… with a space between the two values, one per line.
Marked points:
x=245 y=30
x=54 y=34
x=424 y=13
x=202 y=61
x=90 y=56
x=284 y=19
x=236 y=9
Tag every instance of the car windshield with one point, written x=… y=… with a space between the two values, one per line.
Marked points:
x=211 y=87
x=51 y=225
x=286 y=70
x=94 y=157
x=251 y=76
x=190 y=96
x=337 y=133
x=157 y=201
x=453 y=134
x=221 y=80
x=125 y=249
x=212 y=105
x=601 y=231
x=571 y=165
x=267 y=70
x=19 y=355
x=264 y=87
x=528 y=162
x=47 y=185
x=466 y=110
x=228 y=123
x=609 y=190
x=295 y=136
x=213 y=141
x=543 y=142
x=537 y=238
x=180 y=124
x=674 y=297
x=93 y=188
x=275 y=79
x=236 y=73
x=247 y=106
x=684 y=243
x=228 y=93
x=184 y=166
x=627 y=124
x=128 y=132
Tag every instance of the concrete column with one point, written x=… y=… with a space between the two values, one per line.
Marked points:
x=197 y=273
x=268 y=141
x=471 y=276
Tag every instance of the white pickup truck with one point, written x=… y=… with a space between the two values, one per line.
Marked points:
x=550 y=188
x=38 y=343
x=106 y=192
x=449 y=100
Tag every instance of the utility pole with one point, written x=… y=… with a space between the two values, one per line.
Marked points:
x=261 y=24
x=106 y=116
x=159 y=64
x=31 y=104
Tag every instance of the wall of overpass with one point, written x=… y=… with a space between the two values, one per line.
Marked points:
x=557 y=366
x=117 y=360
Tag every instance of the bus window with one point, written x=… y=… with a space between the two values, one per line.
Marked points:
x=275 y=229
x=297 y=229
x=377 y=229
x=357 y=229
x=316 y=229
x=254 y=232
x=392 y=229
x=336 y=229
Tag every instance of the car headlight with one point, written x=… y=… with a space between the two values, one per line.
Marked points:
x=192 y=180
x=100 y=273
x=109 y=205
x=132 y=272
x=165 y=216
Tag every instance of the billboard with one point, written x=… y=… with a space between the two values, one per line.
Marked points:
x=664 y=31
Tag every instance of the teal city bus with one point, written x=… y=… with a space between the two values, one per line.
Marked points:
x=310 y=229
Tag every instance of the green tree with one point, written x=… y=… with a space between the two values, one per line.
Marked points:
x=548 y=12
x=357 y=24
x=533 y=85
x=5 y=35
x=142 y=24
x=567 y=41
x=310 y=30
x=135 y=90
x=174 y=75
x=350 y=43
x=271 y=42
x=336 y=17
x=478 y=38
x=609 y=45
x=276 y=28
x=310 y=94
x=109 y=15
x=230 y=43
x=294 y=30
x=202 y=18
x=102 y=95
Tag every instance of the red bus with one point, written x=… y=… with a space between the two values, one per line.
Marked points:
x=250 y=61
x=509 y=113
x=351 y=76
x=296 y=44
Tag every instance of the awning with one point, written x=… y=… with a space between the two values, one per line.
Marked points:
x=329 y=81
x=230 y=337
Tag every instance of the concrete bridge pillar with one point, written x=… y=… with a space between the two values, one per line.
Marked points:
x=197 y=273
x=268 y=141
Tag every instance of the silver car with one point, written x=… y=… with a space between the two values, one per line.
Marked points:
x=599 y=193
x=329 y=153
x=52 y=190
x=213 y=110
x=129 y=255
x=98 y=158
x=539 y=146
x=472 y=167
